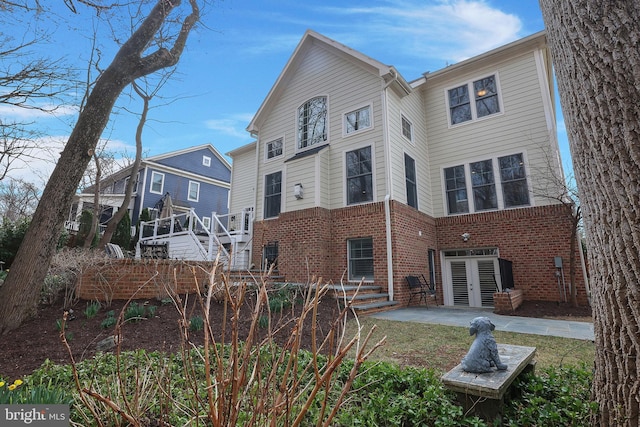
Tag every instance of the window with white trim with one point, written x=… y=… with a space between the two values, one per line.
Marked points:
x=360 y=254
x=206 y=221
x=515 y=189
x=484 y=183
x=206 y=161
x=274 y=148
x=157 y=183
x=485 y=100
x=194 y=191
x=359 y=176
x=357 y=120
x=407 y=130
x=272 y=194
x=411 y=182
x=312 y=122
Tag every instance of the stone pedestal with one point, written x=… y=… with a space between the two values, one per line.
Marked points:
x=483 y=394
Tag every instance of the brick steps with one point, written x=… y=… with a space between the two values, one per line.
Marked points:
x=368 y=299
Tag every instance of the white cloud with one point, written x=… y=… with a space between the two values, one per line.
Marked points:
x=44 y=111
x=446 y=30
x=233 y=126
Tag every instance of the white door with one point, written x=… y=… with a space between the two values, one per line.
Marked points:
x=472 y=281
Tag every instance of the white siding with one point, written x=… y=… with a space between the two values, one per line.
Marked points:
x=411 y=107
x=519 y=127
x=243 y=180
x=347 y=86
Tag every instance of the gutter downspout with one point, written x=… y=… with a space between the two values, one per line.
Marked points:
x=387 y=217
x=387 y=197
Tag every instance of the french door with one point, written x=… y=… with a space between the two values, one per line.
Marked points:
x=472 y=281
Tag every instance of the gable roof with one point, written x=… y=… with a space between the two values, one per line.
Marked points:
x=312 y=39
x=211 y=148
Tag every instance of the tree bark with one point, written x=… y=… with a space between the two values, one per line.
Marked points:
x=19 y=294
x=596 y=52
x=133 y=176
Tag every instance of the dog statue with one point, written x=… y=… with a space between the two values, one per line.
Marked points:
x=483 y=354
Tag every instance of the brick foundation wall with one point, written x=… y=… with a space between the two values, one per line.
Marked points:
x=529 y=237
x=313 y=242
x=506 y=302
x=124 y=278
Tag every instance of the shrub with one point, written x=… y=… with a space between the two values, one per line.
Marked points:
x=109 y=321
x=134 y=312
x=557 y=397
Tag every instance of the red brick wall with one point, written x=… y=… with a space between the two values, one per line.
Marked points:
x=124 y=278
x=506 y=302
x=529 y=237
x=313 y=242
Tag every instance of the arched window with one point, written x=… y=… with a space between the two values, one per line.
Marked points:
x=312 y=122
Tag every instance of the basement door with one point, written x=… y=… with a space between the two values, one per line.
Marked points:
x=472 y=281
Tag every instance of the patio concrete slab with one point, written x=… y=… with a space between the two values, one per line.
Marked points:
x=463 y=316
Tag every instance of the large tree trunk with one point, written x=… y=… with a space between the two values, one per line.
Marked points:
x=19 y=294
x=596 y=51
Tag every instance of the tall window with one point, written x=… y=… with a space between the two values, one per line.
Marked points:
x=274 y=148
x=359 y=176
x=312 y=122
x=194 y=191
x=485 y=100
x=357 y=120
x=484 y=179
x=456 y=188
x=407 y=132
x=483 y=184
x=410 y=178
x=272 y=194
x=157 y=182
x=360 y=259
x=514 y=180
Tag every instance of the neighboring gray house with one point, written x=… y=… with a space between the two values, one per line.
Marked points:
x=196 y=179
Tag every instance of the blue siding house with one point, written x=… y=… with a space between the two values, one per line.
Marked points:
x=195 y=180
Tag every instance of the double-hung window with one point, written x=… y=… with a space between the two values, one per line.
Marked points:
x=514 y=180
x=312 y=122
x=456 y=189
x=495 y=183
x=357 y=120
x=483 y=184
x=274 y=148
x=407 y=130
x=360 y=259
x=157 y=182
x=359 y=176
x=194 y=191
x=272 y=194
x=410 y=179
x=473 y=100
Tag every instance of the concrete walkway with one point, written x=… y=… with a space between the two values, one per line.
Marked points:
x=463 y=316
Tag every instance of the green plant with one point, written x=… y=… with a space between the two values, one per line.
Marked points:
x=109 y=320
x=559 y=396
x=59 y=324
x=10 y=393
x=122 y=234
x=166 y=301
x=263 y=321
x=196 y=323
x=281 y=299
x=134 y=312
x=151 y=311
x=92 y=309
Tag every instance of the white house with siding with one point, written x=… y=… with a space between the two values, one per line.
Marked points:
x=357 y=174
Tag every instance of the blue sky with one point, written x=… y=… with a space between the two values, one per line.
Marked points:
x=231 y=63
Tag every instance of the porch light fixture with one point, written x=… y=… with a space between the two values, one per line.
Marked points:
x=298 y=191
x=465 y=237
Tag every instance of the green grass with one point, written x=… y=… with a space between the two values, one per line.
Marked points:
x=442 y=347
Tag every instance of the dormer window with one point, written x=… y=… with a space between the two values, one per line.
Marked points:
x=312 y=122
